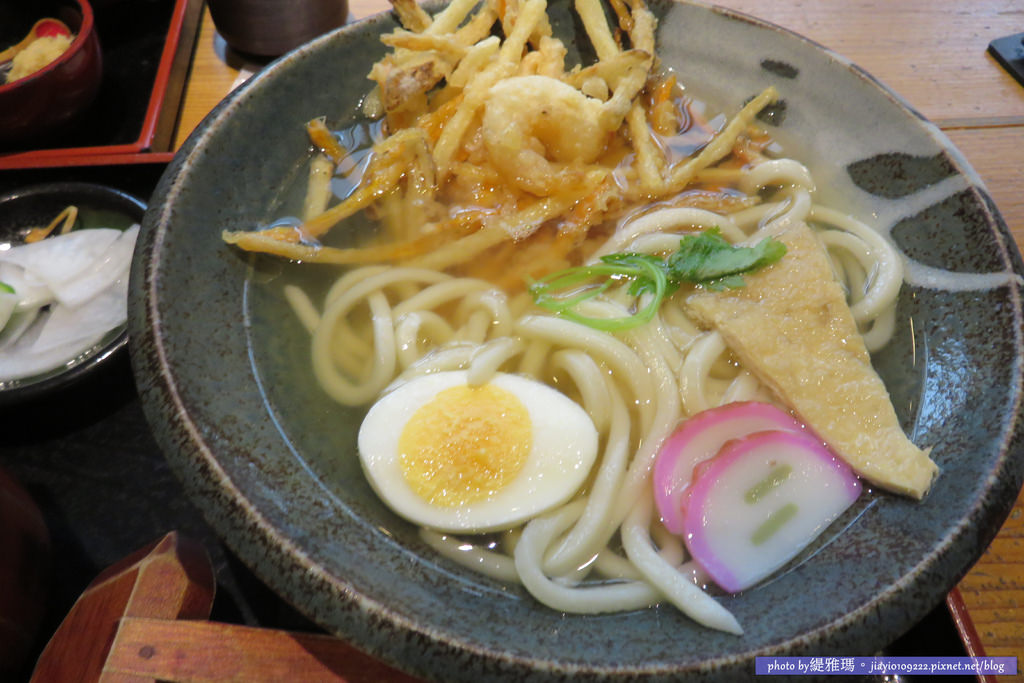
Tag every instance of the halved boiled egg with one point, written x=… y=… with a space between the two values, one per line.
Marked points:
x=458 y=458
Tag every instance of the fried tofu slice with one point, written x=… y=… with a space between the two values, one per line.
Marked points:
x=791 y=326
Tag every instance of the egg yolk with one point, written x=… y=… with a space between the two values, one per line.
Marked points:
x=465 y=445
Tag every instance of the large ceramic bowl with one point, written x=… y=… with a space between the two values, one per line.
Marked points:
x=224 y=375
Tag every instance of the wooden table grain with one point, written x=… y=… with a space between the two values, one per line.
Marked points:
x=933 y=53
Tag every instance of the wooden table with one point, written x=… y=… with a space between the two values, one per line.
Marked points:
x=932 y=52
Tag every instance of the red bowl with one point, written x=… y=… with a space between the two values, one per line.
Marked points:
x=44 y=103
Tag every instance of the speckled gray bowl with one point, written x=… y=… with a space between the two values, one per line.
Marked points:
x=225 y=379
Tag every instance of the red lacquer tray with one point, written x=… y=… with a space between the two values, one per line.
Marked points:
x=147 y=47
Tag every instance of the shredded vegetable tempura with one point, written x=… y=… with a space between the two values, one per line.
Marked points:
x=498 y=153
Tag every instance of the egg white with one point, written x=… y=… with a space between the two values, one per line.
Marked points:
x=563 y=450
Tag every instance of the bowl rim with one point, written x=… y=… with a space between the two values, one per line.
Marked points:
x=85 y=32
x=131 y=206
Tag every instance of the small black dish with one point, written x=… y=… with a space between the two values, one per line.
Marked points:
x=37 y=205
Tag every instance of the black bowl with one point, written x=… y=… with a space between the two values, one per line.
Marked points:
x=36 y=205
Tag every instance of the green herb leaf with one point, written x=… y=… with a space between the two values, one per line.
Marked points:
x=707 y=260
x=4 y=287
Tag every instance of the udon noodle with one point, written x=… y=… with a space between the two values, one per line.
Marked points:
x=382 y=324
x=636 y=386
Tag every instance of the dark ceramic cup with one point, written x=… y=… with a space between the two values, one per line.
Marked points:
x=269 y=28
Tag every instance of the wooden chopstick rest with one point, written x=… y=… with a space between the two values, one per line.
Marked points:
x=143 y=620
x=211 y=652
x=170 y=579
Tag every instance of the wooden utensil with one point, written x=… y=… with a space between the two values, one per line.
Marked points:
x=210 y=652
x=170 y=579
x=142 y=621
